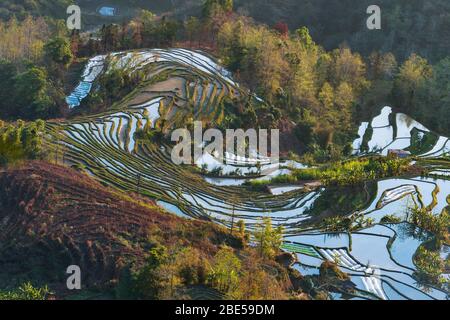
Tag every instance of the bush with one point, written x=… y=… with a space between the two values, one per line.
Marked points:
x=429 y=265
x=26 y=292
x=346 y=173
x=20 y=141
x=268 y=239
x=390 y=218
x=224 y=272
x=436 y=224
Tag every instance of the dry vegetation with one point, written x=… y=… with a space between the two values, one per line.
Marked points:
x=52 y=217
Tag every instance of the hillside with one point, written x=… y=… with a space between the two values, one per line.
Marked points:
x=22 y=8
x=52 y=217
x=416 y=26
x=408 y=27
x=381 y=201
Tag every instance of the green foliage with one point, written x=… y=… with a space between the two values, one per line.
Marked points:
x=23 y=8
x=305 y=37
x=431 y=98
x=436 y=224
x=351 y=172
x=26 y=292
x=429 y=265
x=29 y=94
x=214 y=7
x=268 y=239
x=145 y=30
x=32 y=93
x=58 y=51
x=411 y=78
x=354 y=171
x=305 y=84
x=343 y=201
x=387 y=219
x=333 y=23
x=114 y=85
x=148 y=281
x=422 y=142
x=7 y=73
x=23 y=40
x=29 y=89
x=170 y=271
x=350 y=223
x=20 y=141
x=224 y=273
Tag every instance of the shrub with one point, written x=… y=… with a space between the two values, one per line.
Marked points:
x=26 y=292
x=268 y=239
x=429 y=265
x=436 y=224
x=224 y=272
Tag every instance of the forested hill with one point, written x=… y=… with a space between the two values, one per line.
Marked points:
x=408 y=26
x=21 y=8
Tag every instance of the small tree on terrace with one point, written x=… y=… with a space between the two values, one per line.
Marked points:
x=268 y=238
x=224 y=273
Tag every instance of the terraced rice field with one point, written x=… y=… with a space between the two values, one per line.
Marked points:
x=180 y=84
x=383 y=272
x=107 y=146
x=391 y=130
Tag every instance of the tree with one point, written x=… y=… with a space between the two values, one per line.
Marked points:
x=58 y=50
x=410 y=80
x=429 y=264
x=20 y=141
x=165 y=32
x=304 y=129
x=268 y=239
x=433 y=99
x=32 y=89
x=75 y=42
x=349 y=67
x=382 y=66
x=344 y=98
x=326 y=97
x=191 y=266
x=304 y=37
x=113 y=83
x=25 y=39
x=213 y=7
x=192 y=26
x=110 y=37
x=224 y=273
x=148 y=282
x=7 y=74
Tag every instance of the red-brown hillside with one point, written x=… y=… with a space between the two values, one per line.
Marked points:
x=52 y=217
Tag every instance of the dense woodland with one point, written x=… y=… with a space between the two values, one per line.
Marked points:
x=408 y=26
